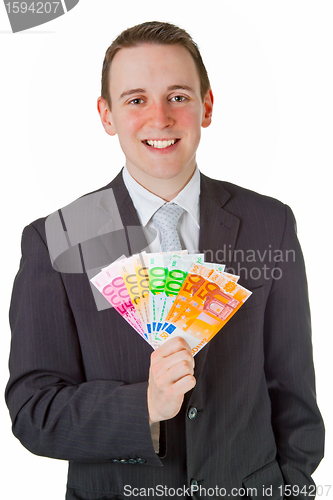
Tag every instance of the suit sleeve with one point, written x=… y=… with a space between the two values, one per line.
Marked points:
x=296 y=421
x=55 y=411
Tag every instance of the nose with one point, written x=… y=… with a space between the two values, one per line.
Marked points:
x=161 y=115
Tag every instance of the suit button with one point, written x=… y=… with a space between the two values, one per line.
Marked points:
x=192 y=413
x=124 y=461
x=141 y=460
x=115 y=460
x=131 y=461
x=193 y=483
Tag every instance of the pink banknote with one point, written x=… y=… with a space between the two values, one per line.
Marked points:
x=111 y=285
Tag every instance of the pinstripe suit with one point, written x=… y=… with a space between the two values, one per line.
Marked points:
x=79 y=375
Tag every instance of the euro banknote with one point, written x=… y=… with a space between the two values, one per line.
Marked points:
x=166 y=294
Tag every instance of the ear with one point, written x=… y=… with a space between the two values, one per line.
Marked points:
x=208 y=109
x=106 y=116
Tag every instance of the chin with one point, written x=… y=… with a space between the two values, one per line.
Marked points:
x=167 y=172
x=164 y=174
x=159 y=170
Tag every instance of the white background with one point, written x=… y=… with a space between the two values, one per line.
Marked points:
x=270 y=65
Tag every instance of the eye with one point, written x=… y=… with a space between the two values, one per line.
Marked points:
x=178 y=98
x=136 y=101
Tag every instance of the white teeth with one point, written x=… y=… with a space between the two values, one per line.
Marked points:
x=161 y=144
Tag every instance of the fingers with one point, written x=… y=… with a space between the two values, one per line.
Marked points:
x=171 y=375
x=171 y=362
x=169 y=371
x=172 y=346
x=185 y=384
x=175 y=363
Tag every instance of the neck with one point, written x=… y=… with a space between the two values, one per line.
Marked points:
x=167 y=189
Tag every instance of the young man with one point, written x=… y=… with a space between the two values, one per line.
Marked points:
x=86 y=388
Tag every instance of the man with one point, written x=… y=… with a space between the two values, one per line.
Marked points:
x=86 y=388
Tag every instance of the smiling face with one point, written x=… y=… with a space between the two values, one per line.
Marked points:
x=157 y=112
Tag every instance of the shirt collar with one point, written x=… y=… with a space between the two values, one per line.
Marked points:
x=146 y=203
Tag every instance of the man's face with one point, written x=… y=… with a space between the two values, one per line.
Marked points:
x=157 y=110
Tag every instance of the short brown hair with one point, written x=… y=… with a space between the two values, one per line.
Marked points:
x=156 y=33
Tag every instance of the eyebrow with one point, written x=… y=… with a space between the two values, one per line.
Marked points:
x=143 y=91
x=131 y=92
x=181 y=87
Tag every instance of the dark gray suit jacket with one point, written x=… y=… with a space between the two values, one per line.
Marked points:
x=78 y=383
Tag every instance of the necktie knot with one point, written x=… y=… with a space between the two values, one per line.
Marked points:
x=166 y=219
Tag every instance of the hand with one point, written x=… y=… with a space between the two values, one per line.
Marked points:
x=170 y=377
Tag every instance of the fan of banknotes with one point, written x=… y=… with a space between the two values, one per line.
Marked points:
x=164 y=295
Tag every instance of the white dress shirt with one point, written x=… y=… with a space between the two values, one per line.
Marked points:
x=147 y=203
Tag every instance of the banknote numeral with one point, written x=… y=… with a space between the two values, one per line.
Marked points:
x=208 y=291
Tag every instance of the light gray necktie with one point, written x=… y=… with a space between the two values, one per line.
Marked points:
x=166 y=219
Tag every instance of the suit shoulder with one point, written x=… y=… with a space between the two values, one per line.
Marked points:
x=253 y=198
x=78 y=209
x=238 y=197
x=255 y=211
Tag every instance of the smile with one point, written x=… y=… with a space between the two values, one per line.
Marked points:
x=161 y=144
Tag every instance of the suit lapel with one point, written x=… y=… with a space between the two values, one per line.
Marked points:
x=124 y=220
x=218 y=227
